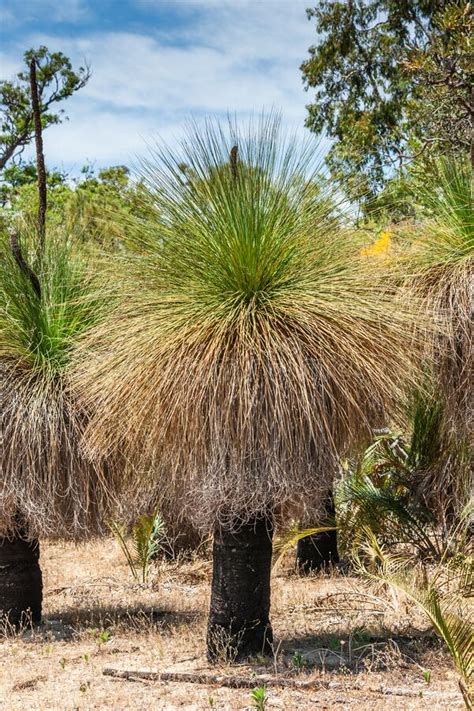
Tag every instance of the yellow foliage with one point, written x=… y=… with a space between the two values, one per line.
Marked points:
x=380 y=247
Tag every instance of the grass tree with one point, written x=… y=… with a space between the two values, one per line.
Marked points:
x=442 y=252
x=249 y=344
x=47 y=488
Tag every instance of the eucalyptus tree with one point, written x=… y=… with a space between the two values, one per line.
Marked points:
x=47 y=487
x=391 y=80
x=248 y=346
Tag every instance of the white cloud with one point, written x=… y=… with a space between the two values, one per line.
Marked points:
x=9 y=66
x=133 y=71
x=230 y=56
x=13 y=14
x=103 y=137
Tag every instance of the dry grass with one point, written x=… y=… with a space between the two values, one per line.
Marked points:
x=47 y=484
x=96 y=617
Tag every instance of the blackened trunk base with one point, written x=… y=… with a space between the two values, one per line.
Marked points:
x=21 y=584
x=317 y=552
x=239 y=623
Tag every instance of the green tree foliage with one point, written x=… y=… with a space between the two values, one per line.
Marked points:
x=94 y=206
x=379 y=68
x=56 y=81
x=443 y=74
x=99 y=204
x=15 y=178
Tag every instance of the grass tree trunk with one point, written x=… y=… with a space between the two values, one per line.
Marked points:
x=21 y=584
x=239 y=623
x=319 y=551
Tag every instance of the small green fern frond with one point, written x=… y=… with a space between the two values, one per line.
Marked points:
x=146 y=537
x=147 y=534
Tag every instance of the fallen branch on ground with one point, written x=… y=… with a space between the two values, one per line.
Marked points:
x=241 y=682
x=234 y=682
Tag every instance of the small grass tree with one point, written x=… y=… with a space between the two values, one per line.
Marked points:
x=248 y=346
x=47 y=487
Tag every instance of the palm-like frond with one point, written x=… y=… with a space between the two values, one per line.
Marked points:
x=252 y=341
x=47 y=486
x=147 y=534
x=442 y=593
x=289 y=539
x=387 y=513
x=384 y=489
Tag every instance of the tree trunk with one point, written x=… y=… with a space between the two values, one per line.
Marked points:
x=21 y=585
x=239 y=624
x=319 y=551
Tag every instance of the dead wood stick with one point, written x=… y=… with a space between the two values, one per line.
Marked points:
x=234 y=682
x=240 y=682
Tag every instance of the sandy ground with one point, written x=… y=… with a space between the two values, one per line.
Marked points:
x=368 y=650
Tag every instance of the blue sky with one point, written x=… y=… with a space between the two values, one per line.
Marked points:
x=156 y=62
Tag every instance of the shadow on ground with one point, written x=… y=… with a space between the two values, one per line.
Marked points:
x=359 y=650
x=100 y=621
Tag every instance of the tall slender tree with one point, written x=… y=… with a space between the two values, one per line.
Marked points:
x=248 y=346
